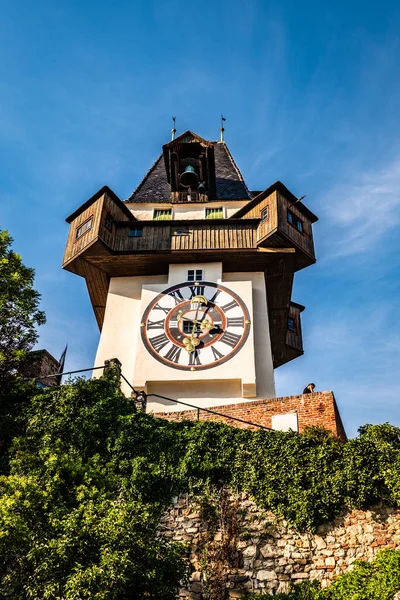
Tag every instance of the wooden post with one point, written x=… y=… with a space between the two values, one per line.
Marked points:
x=112 y=363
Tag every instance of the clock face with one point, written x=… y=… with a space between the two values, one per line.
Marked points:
x=195 y=326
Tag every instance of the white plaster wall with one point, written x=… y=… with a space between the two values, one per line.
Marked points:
x=211 y=272
x=119 y=336
x=144 y=212
x=262 y=342
x=148 y=370
x=127 y=299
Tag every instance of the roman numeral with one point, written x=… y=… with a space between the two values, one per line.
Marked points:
x=173 y=354
x=197 y=290
x=155 y=324
x=217 y=354
x=230 y=338
x=158 y=307
x=229 y=306
x=236 y=322
x=159 y=341
x=213 y=299
x=177 y=296
x=194 y=358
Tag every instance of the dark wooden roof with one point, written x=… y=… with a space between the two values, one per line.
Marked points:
x=104 y=190
x=230 y=184
x=279 y=187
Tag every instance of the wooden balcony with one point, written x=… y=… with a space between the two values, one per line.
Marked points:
x=283 y=222
x=105 y=240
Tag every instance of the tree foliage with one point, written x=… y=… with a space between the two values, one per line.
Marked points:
x=89 y=478
x=19 y=312
x=74 y=523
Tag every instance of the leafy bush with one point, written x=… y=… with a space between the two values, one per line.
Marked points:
x=89 y=478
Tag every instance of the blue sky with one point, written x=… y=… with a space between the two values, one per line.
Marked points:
x=311 y=92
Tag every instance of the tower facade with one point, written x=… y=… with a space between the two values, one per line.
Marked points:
x=191 y=277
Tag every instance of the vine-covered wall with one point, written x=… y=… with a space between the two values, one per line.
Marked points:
x=240 y=548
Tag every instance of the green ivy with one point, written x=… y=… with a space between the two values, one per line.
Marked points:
x=378 y=580
x=87 y=479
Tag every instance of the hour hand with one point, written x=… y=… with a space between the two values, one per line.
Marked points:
x=180 y=318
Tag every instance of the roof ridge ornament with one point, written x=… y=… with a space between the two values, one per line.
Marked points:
x=173 y=130
x=222 y=130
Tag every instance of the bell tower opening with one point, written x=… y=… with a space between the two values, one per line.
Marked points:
x=190 y=168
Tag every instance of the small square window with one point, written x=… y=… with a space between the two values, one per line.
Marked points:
x=264 y=214
x=195 y=275
x=291 y=324
x=84 y=228
x=295 y=221
x=135 y=232
x=162 y=214
x=215 y=213
x=108 y=223
x=188 y=327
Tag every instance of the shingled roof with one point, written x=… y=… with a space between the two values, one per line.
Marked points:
x=230 y=184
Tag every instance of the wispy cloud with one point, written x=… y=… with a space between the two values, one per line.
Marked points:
x=364 y=209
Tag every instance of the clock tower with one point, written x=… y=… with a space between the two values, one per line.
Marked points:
x=191 y=277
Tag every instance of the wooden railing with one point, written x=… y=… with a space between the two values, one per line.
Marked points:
x=183 y=197
x=174 y=235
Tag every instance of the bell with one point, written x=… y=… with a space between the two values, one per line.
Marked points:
x=189 y=177
x=201 y=188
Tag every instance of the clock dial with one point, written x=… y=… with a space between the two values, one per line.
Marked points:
x=195 y=326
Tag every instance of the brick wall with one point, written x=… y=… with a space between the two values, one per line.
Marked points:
x=38 y=365
x=318 y=409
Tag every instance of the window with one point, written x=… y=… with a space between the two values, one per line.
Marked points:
x=195 y=275
x=292 y=324
x=215 y=213
x=295 y=221
x=84 y=228
x=188 y=327
x=264 y=214
x=162 y=214
x=135 y=232
x=108 y=223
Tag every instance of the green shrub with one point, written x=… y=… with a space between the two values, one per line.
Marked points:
x=88 y=479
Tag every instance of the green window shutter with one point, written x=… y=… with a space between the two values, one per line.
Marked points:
x=162 y=214
x=215 y=213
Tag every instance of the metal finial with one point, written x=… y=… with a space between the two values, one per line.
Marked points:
x=173 y=130
x=222 y=128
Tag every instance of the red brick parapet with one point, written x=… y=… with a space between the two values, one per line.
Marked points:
x=318 y=409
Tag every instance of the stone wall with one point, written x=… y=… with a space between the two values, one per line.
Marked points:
x=243 y=548
x=318 y=409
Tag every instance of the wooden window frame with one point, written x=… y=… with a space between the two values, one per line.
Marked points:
x=209 y=208
x=171 y=210
x=195 y=271
x=78 y=237
x=295 y=328
x=298 y=220
x=265 y=209
x=109 y=216
x=137 y=229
